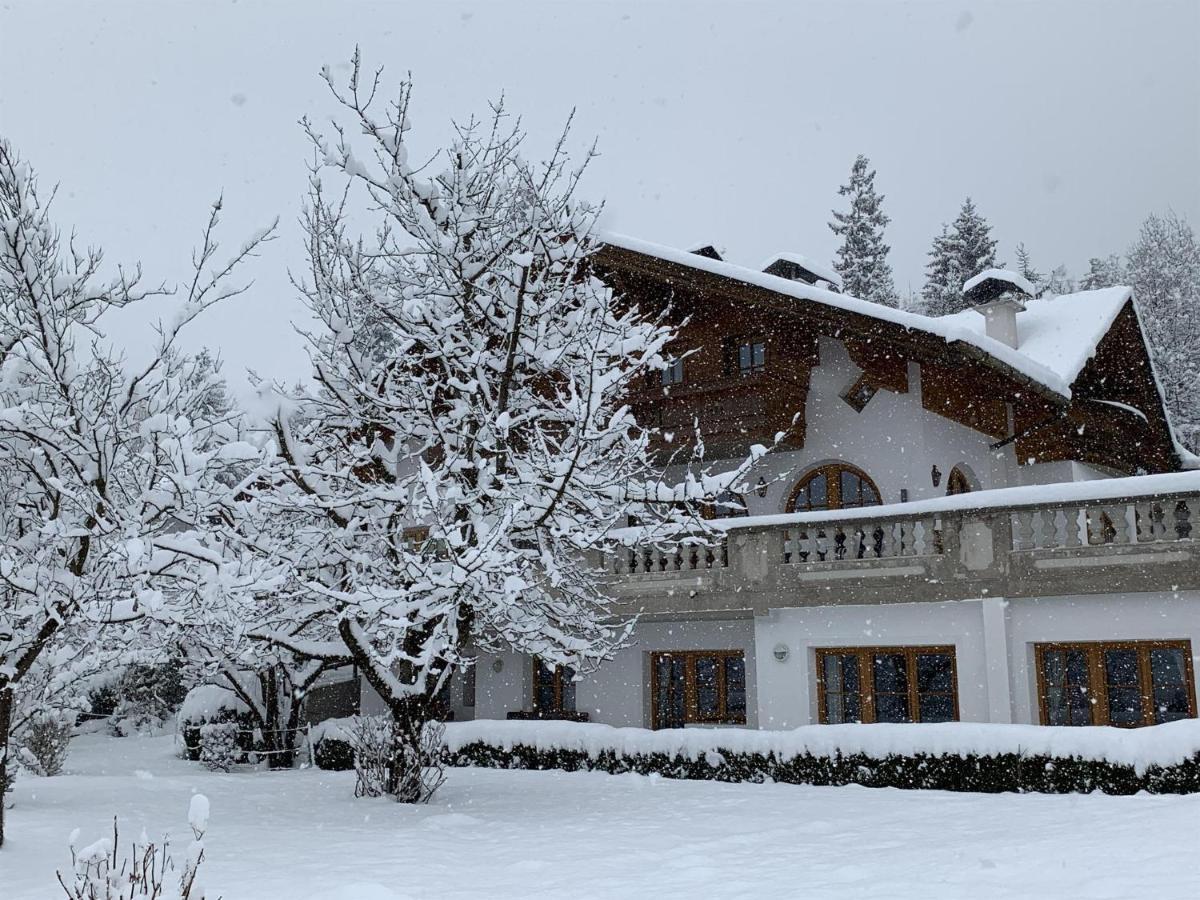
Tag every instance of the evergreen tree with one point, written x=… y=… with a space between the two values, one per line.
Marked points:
x=960 y=252
x=862 y=258
x=1103 y=271
x=1164 y=269
x=1025 y=267
x=1057 y=283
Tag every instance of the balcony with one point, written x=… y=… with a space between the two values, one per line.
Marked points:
x=1127 y=534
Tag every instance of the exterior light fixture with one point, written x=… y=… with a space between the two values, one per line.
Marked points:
x=936 y=474
x=781 y=652
x=761 y=489
x=497 y=665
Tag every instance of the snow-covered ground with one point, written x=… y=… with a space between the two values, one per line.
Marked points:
x=496 y=834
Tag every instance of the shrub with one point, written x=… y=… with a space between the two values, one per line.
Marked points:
x=98 y=873
x=147 y=697
x=210 y=704
x=417 y=775
x=44 y=744
x=1003 y=772
x=334 y=754
x=219 y=749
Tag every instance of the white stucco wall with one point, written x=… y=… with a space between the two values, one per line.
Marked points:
x=894 y=440
x=618 y=692
x=1096 y=617
x=787 y=690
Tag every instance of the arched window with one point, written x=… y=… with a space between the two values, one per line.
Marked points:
x=957 y=483
x=834 y=486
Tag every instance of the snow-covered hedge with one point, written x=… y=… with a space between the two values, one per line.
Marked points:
x=957 y=756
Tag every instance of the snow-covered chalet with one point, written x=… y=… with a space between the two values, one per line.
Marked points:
x=980 y=517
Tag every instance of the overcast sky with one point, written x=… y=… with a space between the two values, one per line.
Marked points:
x=1067 y=122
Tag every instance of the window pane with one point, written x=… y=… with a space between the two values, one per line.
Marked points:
x=818 y=493
x=707 y=696
x=891 y=708
x=669 y=673
x=843 y=699
x=869 y=497
x=1068 y=687
x=744 y=359
x=568 y=689
x=934 y=672
x=543 y=697
x=759 y=355
x=1124 y=705
x=850 y=489
x=1121 y=666
x=735 y=686
x=937 y=708
x=891 y=673
x=1168 y=669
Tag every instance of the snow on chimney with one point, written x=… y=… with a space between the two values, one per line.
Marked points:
x=998 y=295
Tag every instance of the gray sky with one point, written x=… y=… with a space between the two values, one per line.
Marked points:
x=1067 y=122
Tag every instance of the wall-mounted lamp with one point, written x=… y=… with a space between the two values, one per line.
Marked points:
x=936 y=474
x=761 y=490
x=781 y=652
x=497 y=665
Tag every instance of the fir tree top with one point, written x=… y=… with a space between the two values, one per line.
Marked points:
x=862 y=258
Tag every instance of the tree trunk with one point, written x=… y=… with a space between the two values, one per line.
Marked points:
x=279 y=733
x=6 y=706
x=405 y=772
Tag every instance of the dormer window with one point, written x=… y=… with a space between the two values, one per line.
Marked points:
x=673 y=373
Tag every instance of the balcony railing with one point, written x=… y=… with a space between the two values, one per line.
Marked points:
x=1138 y=533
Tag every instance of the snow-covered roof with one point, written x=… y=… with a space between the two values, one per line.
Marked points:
x=1018 y=281
x=828 y=273
x=1056 y=337
x=1058 y=333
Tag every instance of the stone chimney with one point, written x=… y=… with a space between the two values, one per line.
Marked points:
x=998 y=295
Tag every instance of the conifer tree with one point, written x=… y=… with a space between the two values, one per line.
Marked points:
x=1164 y=270
x=961 y=251
x=1103 y=271
x=1025 y=267
x=862 y=258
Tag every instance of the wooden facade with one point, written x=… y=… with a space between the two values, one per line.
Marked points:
x=959 y=381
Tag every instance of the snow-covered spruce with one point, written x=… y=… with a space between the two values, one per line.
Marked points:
x=960 y=252
x=469 y=444
x=104 y=468
x=862 y=258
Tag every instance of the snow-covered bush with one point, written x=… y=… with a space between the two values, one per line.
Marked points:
x=211 y=704
x=44 y=744
x=219 y=749
x=373 y=743
x=147 y=697
x=98 y=872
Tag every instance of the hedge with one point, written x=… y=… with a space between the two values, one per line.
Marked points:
x=985 y=773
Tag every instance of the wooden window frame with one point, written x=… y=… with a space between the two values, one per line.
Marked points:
x=691 y=713
x=732 y=353
x=833 y=485
x=859 y=394
x=560 y=679
x=866 y=670
x=1098 y=683
x=667 y=377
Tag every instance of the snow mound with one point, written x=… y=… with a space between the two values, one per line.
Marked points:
x=1013 y=278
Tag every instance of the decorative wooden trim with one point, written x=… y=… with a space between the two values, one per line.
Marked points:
x=1098 y=683
x=866 y=677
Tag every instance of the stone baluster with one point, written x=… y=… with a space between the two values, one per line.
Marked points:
x=1049 y=528
x=1185 y=519
x=1120 y=524
x=1023 y=532
x=887 y=543
x=1074 y=526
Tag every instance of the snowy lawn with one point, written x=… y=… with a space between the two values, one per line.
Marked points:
x=499 y=834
